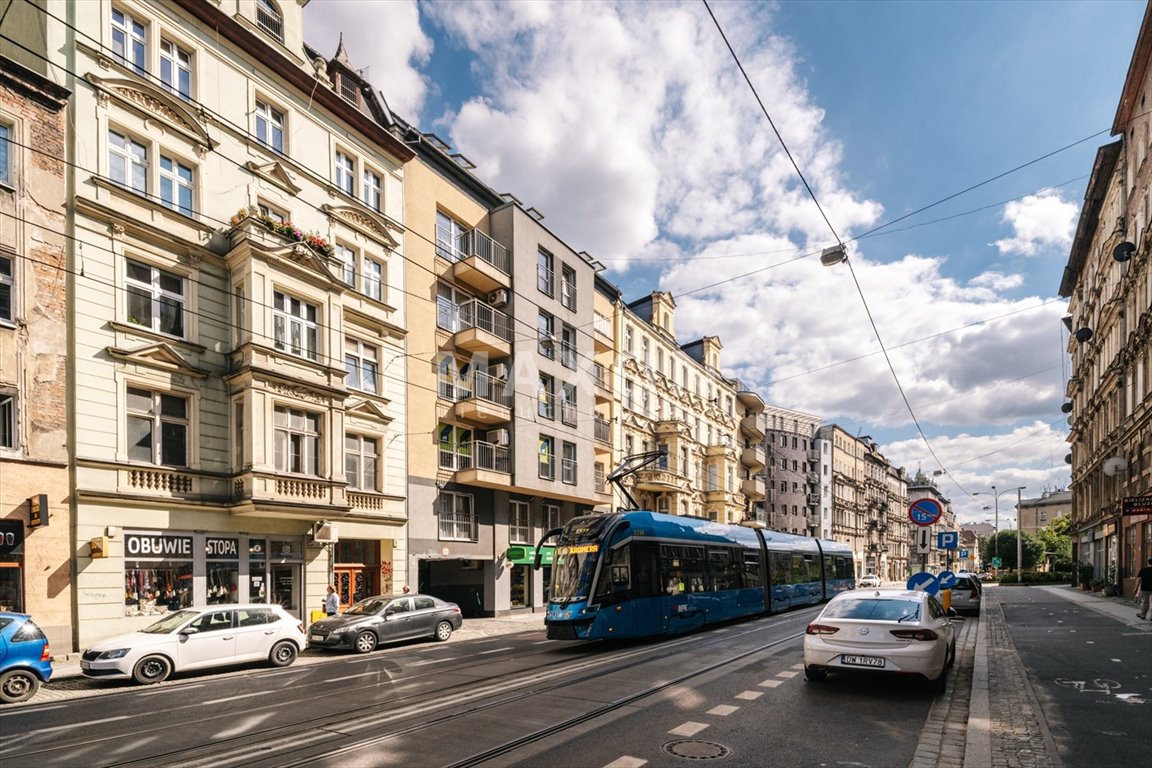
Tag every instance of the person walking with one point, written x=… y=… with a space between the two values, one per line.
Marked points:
x=1145 y=579
x=331 y=602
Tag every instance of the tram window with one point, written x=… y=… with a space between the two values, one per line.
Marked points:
x=799 y=570
x=843 y=567
x=645 y=570
x=752 y=569
x=829 y=567
x=614 y=577
x=723 y=570
x=780 y=564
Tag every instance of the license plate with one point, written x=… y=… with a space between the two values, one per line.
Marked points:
x=316 y=638
x=85 y=665
x=862 y=661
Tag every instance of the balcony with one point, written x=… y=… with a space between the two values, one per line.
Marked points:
x=602 y=430
x=602 y=332
x=602 y=381
x=481 y=399
x=600 y=480
x=478 y=463
x=482 y=263
x=753 y=426
x=568 y=413
x=480 y=327
x=754 y=457
x=750 y=400
x=754 y=488
x=659 y=480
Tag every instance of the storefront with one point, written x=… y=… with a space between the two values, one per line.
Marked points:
x=12 y=565
x=522 y=576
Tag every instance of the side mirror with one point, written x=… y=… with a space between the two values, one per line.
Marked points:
x=189 y=631
x=952 y=614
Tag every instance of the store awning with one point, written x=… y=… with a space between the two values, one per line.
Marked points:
x=527 y=555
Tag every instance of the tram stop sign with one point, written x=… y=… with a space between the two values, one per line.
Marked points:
x=925 y=511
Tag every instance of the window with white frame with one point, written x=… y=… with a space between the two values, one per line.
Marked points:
x=372 y=190
x=157 y=428
x=568 y=287
x=155 y=298
x=361 y=459
x=551 y=516
x=7 y=289
x=7 y=419
x=457 y=520
x=297 y=441
x=269 y=126
x=176 y=185
x=546 y=329
x=455 y=447
x=628 y=395
x=129 y=40
x=277 y=215
x=347 y=258
x=448 y=301
x=546 y=397
x=568 y=463
x=546 y=455
x=127 y=162
x=5 y=156
x=545 y=281
x=362 y=365
x=448 y=232
x=175 y=69
x=519 y=523
x=373 y=279
x=568 y=413
x=269 y=18
x=568 y=346
x=345 y=174
x=294 y=326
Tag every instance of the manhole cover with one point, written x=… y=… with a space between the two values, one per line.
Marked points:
x=696 y=750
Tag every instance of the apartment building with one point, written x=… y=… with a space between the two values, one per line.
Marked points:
x=1042 y=512
x=1108 y=284
x=35 y=515
x=796 y=491
x=240 y=425
x=607 y=312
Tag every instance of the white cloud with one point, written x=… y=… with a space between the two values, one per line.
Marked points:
x=1039 y=222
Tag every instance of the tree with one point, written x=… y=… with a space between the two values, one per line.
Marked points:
x=1057 y=544
x=1003 y=545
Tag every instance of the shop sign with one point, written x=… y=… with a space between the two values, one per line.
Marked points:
x=1137 y=505
x=11 y=537
x=168 y=546
x=221 y=549
x=527 y=555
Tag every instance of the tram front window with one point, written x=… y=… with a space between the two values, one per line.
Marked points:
x=571 y=572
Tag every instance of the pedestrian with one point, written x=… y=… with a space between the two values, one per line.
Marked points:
x=1145 y=578
x=406 y=589
x=331 y=602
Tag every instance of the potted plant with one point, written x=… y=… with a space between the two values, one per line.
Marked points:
x=1111 y=588
x=1084 y=571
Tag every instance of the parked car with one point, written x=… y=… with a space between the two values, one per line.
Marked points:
x=386 y=619
x=198 y=638
x=25 y=658
x=966 y=593
x=868 y=580
x=884 y=630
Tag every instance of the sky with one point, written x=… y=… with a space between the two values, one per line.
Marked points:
x=946 y=144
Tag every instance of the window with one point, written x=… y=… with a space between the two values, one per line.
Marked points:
x=546 y=327
x=448 y=232
x=155 y=298
x=157 y=427
x=127 y=162
x=372 y=190
x=546 y=397
x=347 y=259
x=7 y=290
x=294 y=325
x=360 y=360
x=568 y=287
x=547 y=457
x=360 y=462
x=628 y=389
x=278 y=216
x=568 y=404
x=544 y=280
x=5 y=169
x=455 y=447
x=628 y=338
x=238 y=433
x=297 y=441
x=349 y=88
x=270 y=126
x=568 y=346
x=7 y=420
x=551 y=516
x=175 y=185
x=345 y=174
x=448 y=301
x=519 y=525
x=129 y=40
x=644 y=349
x=175 y=69
x=568 y=463
x=269 y=19
x=373 y=279
x=456 y=518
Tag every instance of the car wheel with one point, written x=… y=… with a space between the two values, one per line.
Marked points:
x=365 y=642
x=152 y=669
x=815 y=675
x=283 y=653
x=18 y=685
x=443 y=630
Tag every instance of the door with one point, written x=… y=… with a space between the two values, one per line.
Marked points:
x=213 y=641
x=399 y=621
x=354 y=583
x=255 y=632
x=425 y=615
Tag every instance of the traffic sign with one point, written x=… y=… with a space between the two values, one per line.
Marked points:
x=925 y=511
x=947 y=579
x=964 y=554
x=924 y=582
x=923 y=541
x=996 y=562
x=947 y=540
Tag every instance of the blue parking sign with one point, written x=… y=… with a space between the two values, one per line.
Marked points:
x=964 y=554
x=947 y=540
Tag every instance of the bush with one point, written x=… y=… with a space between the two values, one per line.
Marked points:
x=1037 y=577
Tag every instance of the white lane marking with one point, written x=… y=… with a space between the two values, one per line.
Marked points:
x=688 y=729
x=428 y=661
x=85 y=723
x=495 y=650
x=242 y=696
x=750 y=695
x=770 y=683
x=626 y=762
x=165 y=689
x=1090 y=642
x=543 y=642
x=723 y=710
x=1116 y=660
x=353 y=677
x=787 y=673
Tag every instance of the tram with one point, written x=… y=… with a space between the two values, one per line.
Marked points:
x=642 y=574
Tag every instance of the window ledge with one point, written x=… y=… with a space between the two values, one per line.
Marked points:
x=140 y=330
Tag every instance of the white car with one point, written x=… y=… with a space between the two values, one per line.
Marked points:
x=881 y=630
x=196 y=638
x=869 y=580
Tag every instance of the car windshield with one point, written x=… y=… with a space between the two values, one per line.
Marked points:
x=371 y=606
x=170 y=623
x=874 y=609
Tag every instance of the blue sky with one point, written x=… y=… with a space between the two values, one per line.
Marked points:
x=629 y=126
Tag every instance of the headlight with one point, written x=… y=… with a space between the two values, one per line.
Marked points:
x=116 y=654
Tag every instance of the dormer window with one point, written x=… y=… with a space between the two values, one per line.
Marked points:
x=269 y=18
x=349 y=89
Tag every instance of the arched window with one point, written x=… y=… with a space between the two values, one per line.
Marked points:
x=269 y=18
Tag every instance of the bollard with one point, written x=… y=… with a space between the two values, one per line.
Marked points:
x=946 y=598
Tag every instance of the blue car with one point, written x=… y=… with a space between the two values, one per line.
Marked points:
x=25 y=660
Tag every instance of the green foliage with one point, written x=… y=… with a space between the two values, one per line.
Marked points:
x=1004 y=546
x=1037 y=577
x=1057 y=544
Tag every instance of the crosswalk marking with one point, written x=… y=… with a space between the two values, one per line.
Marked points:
x=688 y=729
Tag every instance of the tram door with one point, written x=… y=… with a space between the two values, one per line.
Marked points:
x=646 y=587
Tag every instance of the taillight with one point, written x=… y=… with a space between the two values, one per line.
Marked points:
x=821 y=629
x=46 y=654
x=915 y=634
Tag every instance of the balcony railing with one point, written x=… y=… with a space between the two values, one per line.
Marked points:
x=487 y=387
x=478 y=455
x=568 y=469
x=602 y=324
x=476 y=243
x=568 y=413
x=602 y=430
x=600 y=374
x=600 y=480
x=477 y=314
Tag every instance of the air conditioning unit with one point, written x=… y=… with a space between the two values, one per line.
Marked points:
x=325 y=533
x=499 y=437
x=499 y=297
x=498 y=371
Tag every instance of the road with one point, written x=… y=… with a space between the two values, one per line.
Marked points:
x=736 y=692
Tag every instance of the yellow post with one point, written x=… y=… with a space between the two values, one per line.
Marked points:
x=946 y=598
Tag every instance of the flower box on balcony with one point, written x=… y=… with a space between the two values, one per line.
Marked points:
x=250 y=223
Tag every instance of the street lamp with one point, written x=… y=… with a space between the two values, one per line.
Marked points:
x=996 y=522
x=1019 y=540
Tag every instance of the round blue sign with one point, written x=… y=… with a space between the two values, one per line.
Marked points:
x=925 y=511
x=924 y=582
x=947 y=579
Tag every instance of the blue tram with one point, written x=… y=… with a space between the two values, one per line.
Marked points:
x=639 y=574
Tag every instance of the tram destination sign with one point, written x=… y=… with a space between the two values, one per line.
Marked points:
x=1138 y=505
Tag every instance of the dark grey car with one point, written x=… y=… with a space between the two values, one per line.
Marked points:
x=386 y=619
